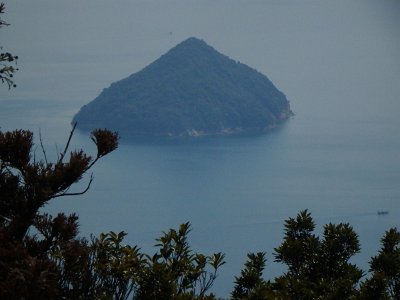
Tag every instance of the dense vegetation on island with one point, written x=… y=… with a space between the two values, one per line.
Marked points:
x=191 y=90
x=42 y=256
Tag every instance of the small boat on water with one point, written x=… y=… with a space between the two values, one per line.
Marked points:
x=382 y=212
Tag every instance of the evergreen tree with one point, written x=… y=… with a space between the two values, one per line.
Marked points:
x=42 y=257
x=384 y=282
x=29 y=238
x=250 y=284
x=318 y=268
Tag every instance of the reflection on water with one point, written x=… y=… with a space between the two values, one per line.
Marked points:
x=236 y=191
x=339 y=156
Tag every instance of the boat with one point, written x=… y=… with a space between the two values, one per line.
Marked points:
x=382 y=212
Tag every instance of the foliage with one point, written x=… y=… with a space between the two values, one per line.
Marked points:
x=384 y=282
x=26 y=184
x=318 y=268
x=175 y=272
x=6 y=69
x=55 y=263
x=42 y=257
x=192 y=87
x=250 y=284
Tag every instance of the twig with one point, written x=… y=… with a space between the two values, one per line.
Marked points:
x=77 y=193
x=41 y=145
x=67 y=145
x=58 y=153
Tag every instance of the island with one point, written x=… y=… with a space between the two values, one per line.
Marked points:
x=192 y=90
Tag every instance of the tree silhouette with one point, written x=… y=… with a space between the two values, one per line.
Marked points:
x=7 y=60
x=29 y=183
x=384 y=282
x=318 y=268
x=42 y=257
x=250 y=284
x=26 y=185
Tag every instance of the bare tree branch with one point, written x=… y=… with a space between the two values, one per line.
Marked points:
x=67 y=145
x=41 y=145
x=77 y=193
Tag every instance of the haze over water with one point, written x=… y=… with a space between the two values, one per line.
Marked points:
x=337 y=61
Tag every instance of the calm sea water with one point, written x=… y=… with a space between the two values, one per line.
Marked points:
x=339 y=157
x=235 y=191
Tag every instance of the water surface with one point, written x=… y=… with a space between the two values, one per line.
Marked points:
x=337 y=61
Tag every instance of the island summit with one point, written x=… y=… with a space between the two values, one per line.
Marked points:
x=192 y=90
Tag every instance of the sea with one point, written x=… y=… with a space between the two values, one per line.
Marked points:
x=235 y=191
x=338 y=156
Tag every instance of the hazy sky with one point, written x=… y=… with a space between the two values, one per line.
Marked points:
x=314 y=51
x=335 y=60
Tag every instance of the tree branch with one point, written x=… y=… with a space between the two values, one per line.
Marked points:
x=41 y=145
x=2 y=8
x=67 y=145
x=77 y=193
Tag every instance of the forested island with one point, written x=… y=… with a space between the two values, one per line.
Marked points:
x=43 y=257
x=192 y=90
